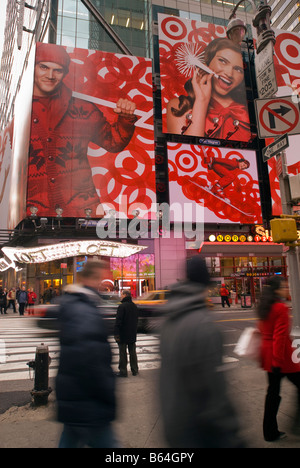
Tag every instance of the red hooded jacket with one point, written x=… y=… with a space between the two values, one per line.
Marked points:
x=59 y=174
x=277 y=350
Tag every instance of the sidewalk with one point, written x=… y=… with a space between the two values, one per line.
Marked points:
x=139 y=422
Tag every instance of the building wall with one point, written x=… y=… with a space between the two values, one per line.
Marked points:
x=170 y=258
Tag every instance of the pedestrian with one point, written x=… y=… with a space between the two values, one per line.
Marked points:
x=11 y=297
x=196 y=409
x=277 y=357
x=224 y=293
x=32 y=297
x=85 y=383
x=125 y=334
x=22 y=298
x=3 y=302
x=48 y=295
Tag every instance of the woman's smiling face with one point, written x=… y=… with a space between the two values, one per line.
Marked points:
x=228 y=65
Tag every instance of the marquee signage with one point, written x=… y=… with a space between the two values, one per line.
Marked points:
x=241 y=238
x=48 y=253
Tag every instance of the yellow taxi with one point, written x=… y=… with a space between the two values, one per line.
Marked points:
x=154 y=297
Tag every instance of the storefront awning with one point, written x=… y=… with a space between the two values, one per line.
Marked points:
x=245 y=249
x=48 y=253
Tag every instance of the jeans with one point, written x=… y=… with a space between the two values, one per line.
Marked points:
x=93 y=437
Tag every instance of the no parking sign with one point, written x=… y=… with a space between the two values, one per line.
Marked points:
x=277 y=116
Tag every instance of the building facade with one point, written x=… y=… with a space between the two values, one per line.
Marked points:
x=131 y=27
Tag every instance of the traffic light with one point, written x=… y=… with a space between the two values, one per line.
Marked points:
x=284 y=230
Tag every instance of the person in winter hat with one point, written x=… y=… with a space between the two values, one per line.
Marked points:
x=62 y=128
x=196 y=409
x=85 y=383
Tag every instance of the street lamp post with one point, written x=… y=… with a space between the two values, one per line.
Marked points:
x=236 y=29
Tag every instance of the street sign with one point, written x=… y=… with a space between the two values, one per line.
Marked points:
x=277 y=116
x=276 y=147
x=265 y=72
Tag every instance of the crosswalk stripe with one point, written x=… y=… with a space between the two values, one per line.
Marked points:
x=21 y=338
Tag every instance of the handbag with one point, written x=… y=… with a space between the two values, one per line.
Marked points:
x=249 y=344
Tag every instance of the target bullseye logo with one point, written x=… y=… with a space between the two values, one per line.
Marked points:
x=287 y=49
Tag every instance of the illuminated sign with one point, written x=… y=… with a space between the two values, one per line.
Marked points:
x=241 y=238
x=48 y=253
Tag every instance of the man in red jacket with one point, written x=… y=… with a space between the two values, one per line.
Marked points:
x=224 y=293
x=59 y=174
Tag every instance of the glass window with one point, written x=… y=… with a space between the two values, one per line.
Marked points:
x=69 y=8
x=69 y=26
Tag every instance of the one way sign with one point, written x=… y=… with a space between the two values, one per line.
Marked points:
x=276 y=147
x=277 y=117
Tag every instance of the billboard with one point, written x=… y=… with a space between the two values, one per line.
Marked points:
x=202 y=81
x=92 y=136
x=223 y=181
x=287 y=70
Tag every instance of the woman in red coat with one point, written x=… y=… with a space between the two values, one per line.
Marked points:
x=277 y=353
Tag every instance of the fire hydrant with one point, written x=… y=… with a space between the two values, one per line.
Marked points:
x=41 y=389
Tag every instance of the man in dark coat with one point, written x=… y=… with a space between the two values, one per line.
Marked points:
x=125 y=334
x=85 y=384
x=196 y=410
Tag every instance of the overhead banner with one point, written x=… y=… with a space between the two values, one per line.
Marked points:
x=202 y=80
x=16 y=257
x=92 y=136
x=223 y=181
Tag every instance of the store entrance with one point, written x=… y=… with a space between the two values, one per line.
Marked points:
x=50 y=288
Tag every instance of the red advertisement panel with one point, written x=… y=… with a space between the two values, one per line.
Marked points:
x=202 y=79
x=224 y=181
x=91 y=140
x=287 y=69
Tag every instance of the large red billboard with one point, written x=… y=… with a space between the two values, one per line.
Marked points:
x=202 y=80
x=91 y=138
x=287 y=70
x=222 y=180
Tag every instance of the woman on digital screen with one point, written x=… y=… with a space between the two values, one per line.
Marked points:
x=215 y=104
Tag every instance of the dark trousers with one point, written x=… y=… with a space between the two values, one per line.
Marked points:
x=22 y=308
x=272 y=402
x=225 y=299
x=12 y=301
x=123 y=358
x=93 y=437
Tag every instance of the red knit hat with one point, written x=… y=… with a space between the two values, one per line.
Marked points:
x=52 y=53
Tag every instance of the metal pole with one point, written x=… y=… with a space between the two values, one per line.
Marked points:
x=292 y=254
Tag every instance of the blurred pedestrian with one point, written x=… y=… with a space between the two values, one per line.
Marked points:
x=31 y=301
x=125 y=334
x=3 y=302
x=22 y=298
x=48 y=295
x=224 y=293
x=11 y=297
x=196 y=409
x=85 y=383
x=276 y=352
